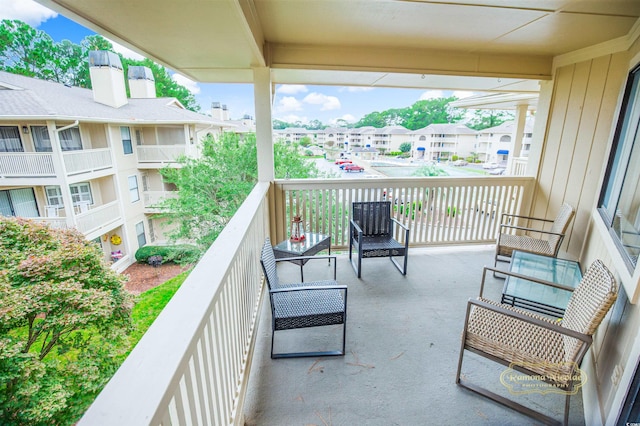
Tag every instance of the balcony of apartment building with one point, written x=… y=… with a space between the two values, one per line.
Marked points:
x=154 y=190
x=28 y=156
x=160 y=146
x=205 y=359
x=90 y=206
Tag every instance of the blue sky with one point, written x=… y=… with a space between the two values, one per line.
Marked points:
x=292 y=102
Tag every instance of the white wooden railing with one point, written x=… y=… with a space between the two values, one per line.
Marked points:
x=88 y=160
x=53 y=222
x=22 y=164
x=439 y=211
x=519 y=166
x=98 y=217
x=152 y=198
x=160 y=153
x=192 y=366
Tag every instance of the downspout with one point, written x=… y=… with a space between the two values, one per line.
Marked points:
x=64 y=188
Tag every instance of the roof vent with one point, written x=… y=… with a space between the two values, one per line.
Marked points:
x=107 y=78
x=141 y=82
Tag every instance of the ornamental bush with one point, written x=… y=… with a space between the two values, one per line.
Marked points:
x=180 y=253
x=63 y=317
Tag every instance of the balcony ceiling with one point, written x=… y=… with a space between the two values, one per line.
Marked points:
x=391 y=43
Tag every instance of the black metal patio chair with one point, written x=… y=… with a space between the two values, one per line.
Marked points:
x=304 y=304
x=371 y=234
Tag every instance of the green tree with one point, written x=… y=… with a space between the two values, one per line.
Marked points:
x=211 y=188
x=305 y=141
x=431 y=111
x=486 y=118
x=405 y=147
x=57 y=296
x=25 y=50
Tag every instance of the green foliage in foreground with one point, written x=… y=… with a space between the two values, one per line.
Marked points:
x=430 y=170
x=64 y=315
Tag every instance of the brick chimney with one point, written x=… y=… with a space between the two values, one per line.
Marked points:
x=107 y=78
x=141 y=82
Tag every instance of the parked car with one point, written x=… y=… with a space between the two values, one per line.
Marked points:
x=490 y=166
x=460 y=163
x=343 y=165
x=342 y=161
x=353 y=168
x=496 y=172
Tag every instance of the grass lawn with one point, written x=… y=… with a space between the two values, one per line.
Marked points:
x=150 y=303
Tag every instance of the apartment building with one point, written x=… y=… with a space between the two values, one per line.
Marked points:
x=441 y=141
x=90 y=159
x=495 y=144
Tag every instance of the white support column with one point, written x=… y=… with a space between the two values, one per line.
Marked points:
x=517 y=135
x=264 y=134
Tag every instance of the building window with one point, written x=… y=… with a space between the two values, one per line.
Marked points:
x=41 y=139
x=70 y=139
x=80 y=194
x=133 y=188
x=142 y=240
x=18 y=202
x=125 y=133
x=620 y=198
x=10 y=139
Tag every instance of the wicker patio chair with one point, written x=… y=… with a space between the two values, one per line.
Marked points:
x=371 y=234
x=304 y=304
x=536 y=345
x=532 y=239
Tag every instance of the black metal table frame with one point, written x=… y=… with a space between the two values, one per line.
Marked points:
x=531 y=305
x=324 y=243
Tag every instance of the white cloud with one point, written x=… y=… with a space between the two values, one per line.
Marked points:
x=432 y=94
x=326 y=102
x=287 y=104
x=25 y=10
x=125 y=51
x=292 y=89
x=191 y=85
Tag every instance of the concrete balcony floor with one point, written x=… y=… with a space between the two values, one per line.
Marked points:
x=403 y=342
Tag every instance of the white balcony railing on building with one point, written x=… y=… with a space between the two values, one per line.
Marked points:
x=519 y=166
x=438 y=211
x=53 y=222
x=152 y=198
x=160 y=153
x=192 y=366
x=22 y=164
x=88 y=160
x=98 y=217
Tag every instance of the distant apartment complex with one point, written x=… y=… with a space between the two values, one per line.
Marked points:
x=90 y=159
x=432 y=143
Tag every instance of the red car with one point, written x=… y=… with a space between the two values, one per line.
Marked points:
x=353 y=168
x=342 y=161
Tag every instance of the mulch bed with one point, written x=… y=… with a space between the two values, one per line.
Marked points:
x=142 y=277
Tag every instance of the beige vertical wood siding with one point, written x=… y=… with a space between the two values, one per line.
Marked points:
x=582 y=114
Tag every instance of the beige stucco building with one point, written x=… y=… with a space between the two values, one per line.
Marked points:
x=74 y=157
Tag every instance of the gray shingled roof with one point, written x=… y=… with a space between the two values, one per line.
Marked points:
x=446 y=129
x=40 y=99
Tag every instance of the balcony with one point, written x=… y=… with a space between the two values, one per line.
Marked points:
x=152 y=198
x=41 y=164
x=157 y=156
x=193 y=365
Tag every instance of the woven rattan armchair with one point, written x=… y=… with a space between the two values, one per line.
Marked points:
x=371 y=234
x=534 y=238
x=304 y=304
x=535 y=345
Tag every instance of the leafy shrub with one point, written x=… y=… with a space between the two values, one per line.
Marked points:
x=180 y=253
x=454 y=157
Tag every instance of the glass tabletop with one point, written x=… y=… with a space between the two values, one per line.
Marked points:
x=559 y=271
x=310 y=241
